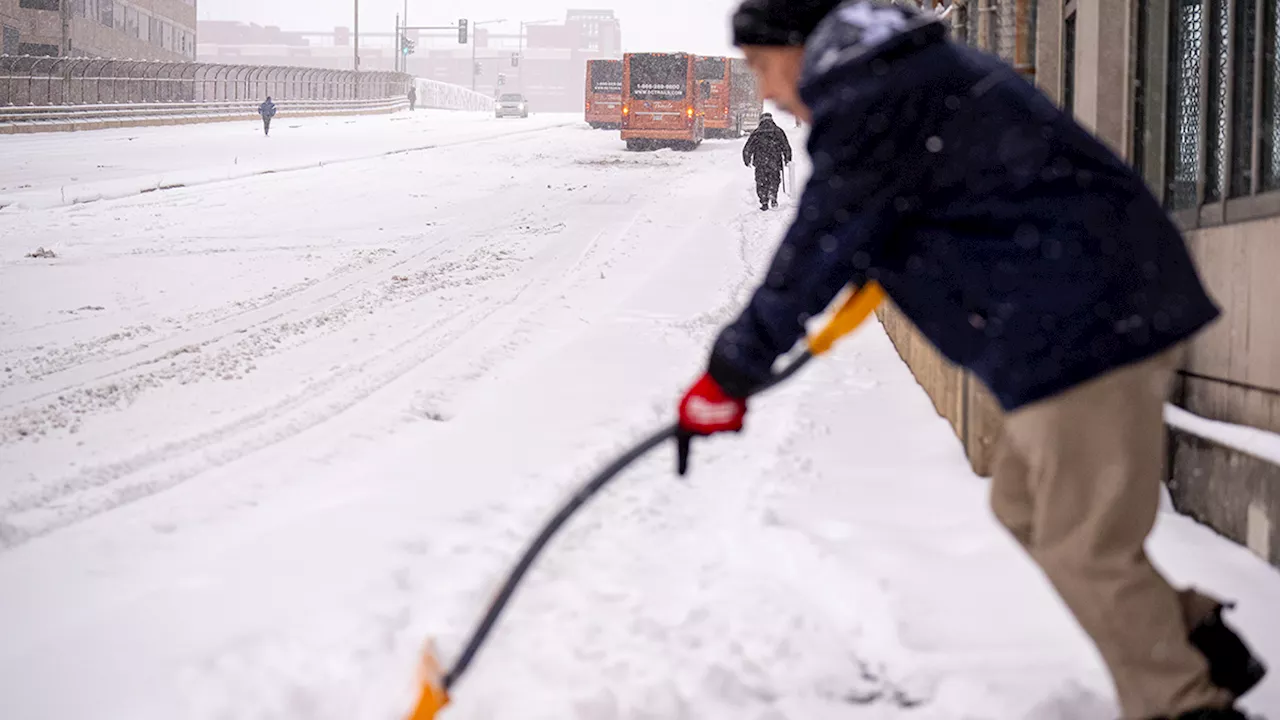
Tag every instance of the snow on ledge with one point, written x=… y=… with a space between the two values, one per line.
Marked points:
x=1259 y=443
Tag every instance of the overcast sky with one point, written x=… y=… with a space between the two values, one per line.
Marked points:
x=700 y=26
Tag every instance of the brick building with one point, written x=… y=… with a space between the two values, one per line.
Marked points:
x=132 y=29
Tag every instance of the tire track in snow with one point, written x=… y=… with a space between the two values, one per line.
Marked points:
x=103 y=487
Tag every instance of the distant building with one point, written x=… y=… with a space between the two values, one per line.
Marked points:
x=241 y=43
x=127 y=29
x=550 y=68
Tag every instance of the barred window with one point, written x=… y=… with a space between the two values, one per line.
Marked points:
x=1218 y=121
x=1246 y=45
x=1270 y=130
x=1184 y=151
x=1219 y=42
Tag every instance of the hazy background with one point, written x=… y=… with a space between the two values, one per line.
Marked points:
x=700 y=26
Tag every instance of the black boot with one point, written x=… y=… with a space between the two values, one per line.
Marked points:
x=1231 y=665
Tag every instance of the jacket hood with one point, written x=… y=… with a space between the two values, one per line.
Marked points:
x=858 y=32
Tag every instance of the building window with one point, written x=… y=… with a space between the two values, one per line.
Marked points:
x=1216 y=172
x=37 y=49
x=118 y=16
x=1069 y=64
x=1270 y=130
x=106 y=13
x=11 y=41
x=1185 y=58
x=1218 y=120
x=1246 y=43
x=39 y=5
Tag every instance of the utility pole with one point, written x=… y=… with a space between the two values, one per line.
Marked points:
x=357 y=46
x=473 y=56
x=399 y=42
x=64 y=8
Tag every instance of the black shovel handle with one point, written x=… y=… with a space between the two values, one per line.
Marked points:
x=566 y=511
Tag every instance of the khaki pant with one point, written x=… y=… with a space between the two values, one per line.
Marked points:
x=1077 y=482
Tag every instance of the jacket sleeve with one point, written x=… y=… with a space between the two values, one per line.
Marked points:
x=786 y=146
x=748 y=149
x=863 y=174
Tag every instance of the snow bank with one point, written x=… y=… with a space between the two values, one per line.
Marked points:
x=1248 y=440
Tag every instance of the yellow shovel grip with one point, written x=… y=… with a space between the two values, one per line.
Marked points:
x=856 y=309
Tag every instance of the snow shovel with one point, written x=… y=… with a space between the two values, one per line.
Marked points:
x=436 y=682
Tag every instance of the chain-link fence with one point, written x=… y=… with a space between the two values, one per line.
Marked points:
x=27 y=80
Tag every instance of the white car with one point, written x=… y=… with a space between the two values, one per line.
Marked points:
x=512 y=105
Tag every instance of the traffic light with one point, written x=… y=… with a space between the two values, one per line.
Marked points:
x=462 y=32
x=478 y=69
x=407 y=46
x=515 y=59
x=502 y=79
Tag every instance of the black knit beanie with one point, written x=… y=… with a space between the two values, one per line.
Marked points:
x=779 y=22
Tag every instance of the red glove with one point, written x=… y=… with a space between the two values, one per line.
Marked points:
x=706 y=410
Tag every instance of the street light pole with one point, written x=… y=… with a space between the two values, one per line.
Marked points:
x=356 y=64
x=65 y=17
x=520 y=54
x=399 y=42
x=473 y=55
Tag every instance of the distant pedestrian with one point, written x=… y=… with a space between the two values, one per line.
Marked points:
x=267 y=110
x=413 y=98
x=768 y=150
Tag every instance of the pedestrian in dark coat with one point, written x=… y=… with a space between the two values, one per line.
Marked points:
x=413 y=98
x=1028 y=253
x=267 y=110
x=769 y=150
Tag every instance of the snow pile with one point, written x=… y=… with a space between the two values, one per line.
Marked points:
x=1248 y=440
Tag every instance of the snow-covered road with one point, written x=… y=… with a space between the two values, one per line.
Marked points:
x=263 y=434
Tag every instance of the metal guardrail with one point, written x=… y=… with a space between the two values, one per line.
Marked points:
x=40 y=113
x=29 y=80
x=445 y=96
x=32 y=119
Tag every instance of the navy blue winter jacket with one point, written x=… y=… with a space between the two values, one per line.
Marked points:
x=1019 y=244
x=267 y=109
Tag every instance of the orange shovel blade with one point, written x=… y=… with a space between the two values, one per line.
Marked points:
x=433 y=696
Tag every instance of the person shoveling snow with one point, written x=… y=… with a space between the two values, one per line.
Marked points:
x=1028 y=253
